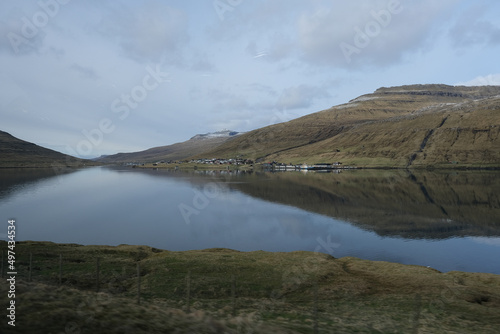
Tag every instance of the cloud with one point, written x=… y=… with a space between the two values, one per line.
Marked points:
x=275 y=47
x=260 y=88
x=149 y=33
x=473 y=29
x=301 y=96
x=266 y=62
x=231 y=103
x=203 y=65
x=255 y=19
x=239 y=98
x=376 y=32
x=487 y=240
x=366 y=32
x=20 y=37
x=85 y=72
x=250 y=106
x=488 y=80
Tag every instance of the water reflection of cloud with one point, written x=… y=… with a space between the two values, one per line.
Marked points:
x=487 y=241
x=293 y=224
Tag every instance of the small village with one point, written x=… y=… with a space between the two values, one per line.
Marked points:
x=274 y=165
x=245 y=163
x=278 y=166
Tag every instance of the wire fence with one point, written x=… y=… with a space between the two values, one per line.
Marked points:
x=144 y=284
x=176 y=282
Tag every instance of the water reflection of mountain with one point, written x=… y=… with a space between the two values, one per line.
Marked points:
x=14 y=179
x=417 y=204
x=431 y=205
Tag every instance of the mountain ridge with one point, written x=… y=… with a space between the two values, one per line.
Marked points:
x=15 y=152
x=411 y=126
x=178 y=151
x=405 y=126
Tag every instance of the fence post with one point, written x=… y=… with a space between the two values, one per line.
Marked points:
x=2 y=265
x=316 y=307
x=138 y=283
x=29 y=273
x=416 y=317
x=188 y=278
x=233 y=293
x=60 y=269
x=97 y=276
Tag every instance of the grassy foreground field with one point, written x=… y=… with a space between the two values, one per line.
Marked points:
x=226 y=291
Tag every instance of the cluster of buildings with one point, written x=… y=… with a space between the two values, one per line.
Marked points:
x=271 y=166
x=318 y=166
x=216 y=161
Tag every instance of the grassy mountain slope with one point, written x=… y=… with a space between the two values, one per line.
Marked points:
x=404 y=126
x=178 y=151
x=464 y=134
x=15 y=152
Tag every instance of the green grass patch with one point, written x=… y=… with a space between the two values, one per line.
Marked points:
x=239 y=292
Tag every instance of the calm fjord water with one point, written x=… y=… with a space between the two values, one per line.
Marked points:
x=447 y=220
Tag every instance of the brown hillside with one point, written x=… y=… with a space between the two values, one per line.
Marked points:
x=178 y=151
x=15 y=152
x=404 y=126
x=466 y=134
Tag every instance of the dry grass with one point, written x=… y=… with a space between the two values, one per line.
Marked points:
x=275 y=292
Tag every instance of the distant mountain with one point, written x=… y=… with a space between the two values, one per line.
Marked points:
x=15 y=152
x=218 y=134
x=179 y=151
x=407 y=126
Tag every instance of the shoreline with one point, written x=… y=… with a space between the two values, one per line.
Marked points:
x=230 y=250
x=260 y=167
x=275 y=292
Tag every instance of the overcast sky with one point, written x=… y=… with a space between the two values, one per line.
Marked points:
x=101 y=77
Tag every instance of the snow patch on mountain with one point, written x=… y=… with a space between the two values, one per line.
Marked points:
x=217 y=134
